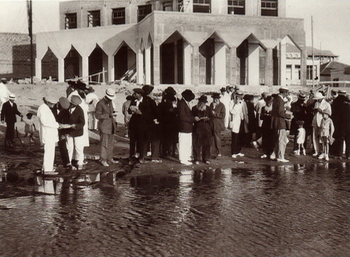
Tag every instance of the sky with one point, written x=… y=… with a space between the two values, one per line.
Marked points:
x=331 y=21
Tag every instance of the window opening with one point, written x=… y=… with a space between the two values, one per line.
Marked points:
x=70 y=21
x=202 y=6
x=269 y=7
x=94 y=19
x=118 y=16
x=236 y=7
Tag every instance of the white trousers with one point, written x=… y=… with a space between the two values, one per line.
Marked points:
x=185 y=147
x=49 y=156
x=75 y=147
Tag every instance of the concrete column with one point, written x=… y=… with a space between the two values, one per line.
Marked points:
x=148 y=65
x=188 y=5
x=282 y=63
x=131 y=12
x=139 y=65
x=269 y=67
x=175 y=5
x=281 y=8
x=303 y=67
x=60 y=69
x=219 y=7
x=111 y=68
x=85 y=67
x=233 y=66
x=38 y=73
x=156 y=64
x=195 y=65
x=253 y=64
x=187 y=64
x=220 y=64
x=175 y=63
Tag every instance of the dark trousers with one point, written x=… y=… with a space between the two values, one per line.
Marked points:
x=201 y=141
x=267 y=141
x=237 y=140
x=336 y=148
x=10 y=130
x=347 y=144
x=217 y=141
x=62 y=145
x=138 y=142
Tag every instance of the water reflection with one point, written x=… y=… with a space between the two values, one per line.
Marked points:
x=268 y=211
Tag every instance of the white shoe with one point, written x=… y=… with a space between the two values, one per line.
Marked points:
x=149 y=154
x=240 y=154
x=273 y=156
x=234 y=156
x=264 y=156
x=326 y=157
x=322 y=155
x=255 y=145
x=282 y=160
x=315 y=154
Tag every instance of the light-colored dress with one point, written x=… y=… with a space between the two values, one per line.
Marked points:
x=301 y=136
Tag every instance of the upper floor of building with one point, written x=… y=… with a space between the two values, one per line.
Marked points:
x=83 y=14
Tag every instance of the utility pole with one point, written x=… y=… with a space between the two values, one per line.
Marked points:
x=30 y=29
x=312 y=46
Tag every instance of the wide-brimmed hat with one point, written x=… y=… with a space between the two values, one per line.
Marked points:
x=51 y=99
x=75 y=100
x=3 y=79
x=110 y=93
x=283 y=90
x=239 y=93
x=215 y=95
x=203 y=99
x=301 y=96
x=129 y=97
x=64 y=102
x=268 y=99
x=318 y=95
x=170 y=90
x=80 y=85
x=341 y=92
x=147 y=89
x=139 y=91
x=188 y=95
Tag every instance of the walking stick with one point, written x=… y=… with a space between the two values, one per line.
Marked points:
x=20 y=140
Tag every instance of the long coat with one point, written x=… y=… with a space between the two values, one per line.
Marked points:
x=48 y=129
x=104 y=113
x=218 y=117
x=185 y=116
x=8 y=112
x=278 y=119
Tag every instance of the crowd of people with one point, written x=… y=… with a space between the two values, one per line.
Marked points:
x=185 y=127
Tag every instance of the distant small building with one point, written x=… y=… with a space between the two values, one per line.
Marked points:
x=336 y=72
x=293 y=55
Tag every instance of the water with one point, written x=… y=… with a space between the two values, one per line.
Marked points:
x=274 y=211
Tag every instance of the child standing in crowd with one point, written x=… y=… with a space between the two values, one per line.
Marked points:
x=301 y=138
x=326 y=135
x=29 y=127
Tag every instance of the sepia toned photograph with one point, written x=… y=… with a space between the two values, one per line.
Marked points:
x=175 y=128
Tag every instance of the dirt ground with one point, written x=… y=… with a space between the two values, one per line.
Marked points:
x=22 y=161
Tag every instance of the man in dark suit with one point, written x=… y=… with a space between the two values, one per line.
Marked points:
x=186 y=120
x=278 y=124
x=139 y=125
x=8 y=115
x=218 y=121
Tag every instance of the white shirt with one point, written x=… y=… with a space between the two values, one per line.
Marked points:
x=237 y=116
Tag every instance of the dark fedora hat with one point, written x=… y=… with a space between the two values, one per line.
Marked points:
x=139 y=91
x=203 y=99
x=188 y=95
x=215 y=95
x=147 y=89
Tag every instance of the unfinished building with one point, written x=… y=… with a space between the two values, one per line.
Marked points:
x=189 y=42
